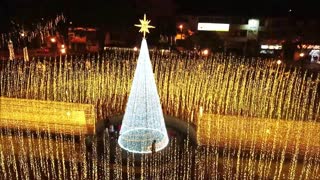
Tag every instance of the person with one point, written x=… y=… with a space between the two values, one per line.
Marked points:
x=153 y=147
x=111 y=131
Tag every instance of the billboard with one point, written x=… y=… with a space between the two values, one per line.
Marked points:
x=253 y=29
x=253 y=24
x=213 y=27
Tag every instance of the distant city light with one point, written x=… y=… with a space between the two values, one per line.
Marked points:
x=135 y=49
x=205 y=52
x=308 y=46
x=213 y=27
x=22 y=34
x=265 y=46
x=53 y=40
x=279 y=62
x=253 y=24
x=62 y=46
x=301 y=54
x=63 y=51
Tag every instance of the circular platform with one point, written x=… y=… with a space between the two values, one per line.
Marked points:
x=139 y=140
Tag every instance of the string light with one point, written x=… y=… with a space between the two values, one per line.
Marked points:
x=143 y=120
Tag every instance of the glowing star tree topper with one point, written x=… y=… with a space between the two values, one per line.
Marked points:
x=144 y=26
x=143 y=128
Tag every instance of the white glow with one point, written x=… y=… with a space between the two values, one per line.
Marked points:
x=205 y=52
x=213 y=27
x=63 y=51
x=271 y=47
x=279 y=62
x=143 y=120
x=53 y=40
x=253 y=24
x=315 y=56
x=265 y=46
x=278 y=47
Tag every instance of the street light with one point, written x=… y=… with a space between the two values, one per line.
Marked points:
x=205 y=52
x=53 y=40
x=181 y=27
x=279 y=62
x=63 y=49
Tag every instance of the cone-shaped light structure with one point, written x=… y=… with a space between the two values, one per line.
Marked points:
x=143 y=121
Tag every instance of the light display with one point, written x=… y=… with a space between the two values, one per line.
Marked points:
x=144 y=26
x=258 y=121
x=263 y=132
x=51 y=116
x=143 y=120
x=11 y=50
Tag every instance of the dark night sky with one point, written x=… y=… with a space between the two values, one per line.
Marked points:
x=117 y=11
x=304 y=8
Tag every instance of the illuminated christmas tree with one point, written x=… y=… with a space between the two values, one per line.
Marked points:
x=143 y=124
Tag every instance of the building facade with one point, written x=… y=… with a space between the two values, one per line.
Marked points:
x=282 y=37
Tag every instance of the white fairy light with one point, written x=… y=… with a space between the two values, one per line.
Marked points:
x=143 y=121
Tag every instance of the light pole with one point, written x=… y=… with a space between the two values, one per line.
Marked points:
x=181 y=27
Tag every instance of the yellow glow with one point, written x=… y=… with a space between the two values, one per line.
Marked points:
x=217 y=129
x=301 y=54
x=266 y=46
x=135 y=49
x=144 y=26
x=55 y=116
x=268 y=131
x=53 y=40
x=279 y=62
x=205 y=52
x=63 y=51
x=180 y=36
